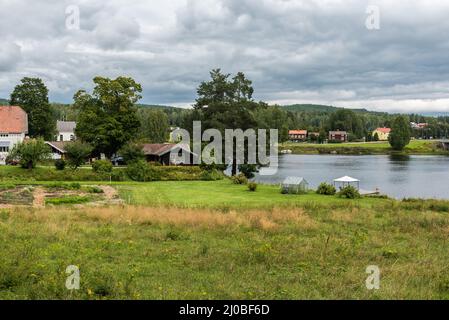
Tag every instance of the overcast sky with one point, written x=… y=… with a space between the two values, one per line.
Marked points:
x=297 y=51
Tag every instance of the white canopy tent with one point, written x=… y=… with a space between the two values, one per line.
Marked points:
x=347 y=181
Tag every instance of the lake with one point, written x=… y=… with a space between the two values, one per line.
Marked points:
x=396 y=176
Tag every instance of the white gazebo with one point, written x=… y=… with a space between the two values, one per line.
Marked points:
x=347 y=181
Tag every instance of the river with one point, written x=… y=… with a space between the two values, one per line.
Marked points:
x=396 y=176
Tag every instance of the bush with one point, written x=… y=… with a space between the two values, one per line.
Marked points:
x=212 y=175
x=252 y=186
x=66 y=186
x=102 y=166
x=67 y=200
x=349 y=192
x=239 y=179
x=94 y=189
x=248 y=170
x=77 y=153
x=132 y=152
x=29 y=153
x=326 y=189
x=60 y=164
x=141 y=171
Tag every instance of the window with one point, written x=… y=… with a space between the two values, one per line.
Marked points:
x=61 y=138
x=72 y=137
x=4 y=149
x=4 y=135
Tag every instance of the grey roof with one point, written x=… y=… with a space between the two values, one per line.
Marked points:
x=65 y=126
x=294 y=180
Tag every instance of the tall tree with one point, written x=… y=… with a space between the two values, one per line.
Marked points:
x=32 y=96
x=225 y=103
x=400 y=133
x=155 y=125
x=108 y=117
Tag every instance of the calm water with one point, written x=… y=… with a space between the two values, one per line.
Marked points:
x=396 y=176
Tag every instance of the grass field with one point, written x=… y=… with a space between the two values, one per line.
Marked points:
x=215 y=240
x=415 y=147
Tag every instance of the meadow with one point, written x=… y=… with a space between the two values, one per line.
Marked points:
x=216 y=240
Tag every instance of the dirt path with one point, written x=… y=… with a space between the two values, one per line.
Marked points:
x=110 y=193
x=39 y=197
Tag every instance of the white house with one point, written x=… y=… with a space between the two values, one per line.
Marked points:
x=13 y=129
x=66 y=130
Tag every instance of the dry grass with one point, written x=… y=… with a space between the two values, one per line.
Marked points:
x=202 y=218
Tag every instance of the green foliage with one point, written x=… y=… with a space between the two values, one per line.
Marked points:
x=399 y=137
x=77 y=153
x=64 y=186
x=32 y=96
x=93 y=189
x=108 y=118
x=102 y=166
x=212 y=175
x=142 y=171
x=67 y=200
x=252 y=186
x=155 y=126
x=248 y=170
x=239 y=179
x=60 y=164
x=349 y=192
x=347 y=120
x=131 y=152
x=326 y=189
x=376 y=137
x=30 y=152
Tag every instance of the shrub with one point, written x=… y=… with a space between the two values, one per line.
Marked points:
x=212 y=175
x=132 y=152
x=239 y=179
x=29 y=153
x=66 y=186
x=60 y=164
x=102 y=166
x=252 y=186
x=326 y=189
x=94 y=189
x=349 y=192
x=77 y=153
x=248 y=170
x=141 y=171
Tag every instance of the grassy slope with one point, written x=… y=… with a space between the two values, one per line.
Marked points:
x=318 y=250
x=415 y=147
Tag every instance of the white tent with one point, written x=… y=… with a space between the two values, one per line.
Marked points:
x=347 y=181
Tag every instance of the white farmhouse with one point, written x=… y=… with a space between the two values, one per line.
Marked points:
x=66 y=130
x=13 y=129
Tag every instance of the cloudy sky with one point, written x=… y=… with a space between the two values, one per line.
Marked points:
x=295 y=51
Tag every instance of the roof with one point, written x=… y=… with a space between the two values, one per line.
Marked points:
x=13 y=119
x=160 y=149
x=297 y=132
x=383 y=130
x=58 y=145
x=338 y=132
x=346 y=179
x=65 y=126
x=294 y=180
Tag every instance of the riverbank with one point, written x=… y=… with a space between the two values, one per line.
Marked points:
x=416 y=147
x=216 y=240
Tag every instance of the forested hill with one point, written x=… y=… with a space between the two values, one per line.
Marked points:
x=323 y=108
x=4 y=102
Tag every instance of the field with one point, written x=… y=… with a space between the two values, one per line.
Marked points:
x=415 y=147
x=216 y=240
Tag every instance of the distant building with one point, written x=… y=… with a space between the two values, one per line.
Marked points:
x=382 y=133
x=65 y=130
x=418 y=126
x=169 y=153
x=58 y=149
x=341 y=136
x=297 y=135
x=13 y=129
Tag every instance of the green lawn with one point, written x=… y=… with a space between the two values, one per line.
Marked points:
x=224 y=194
x=415 y=147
